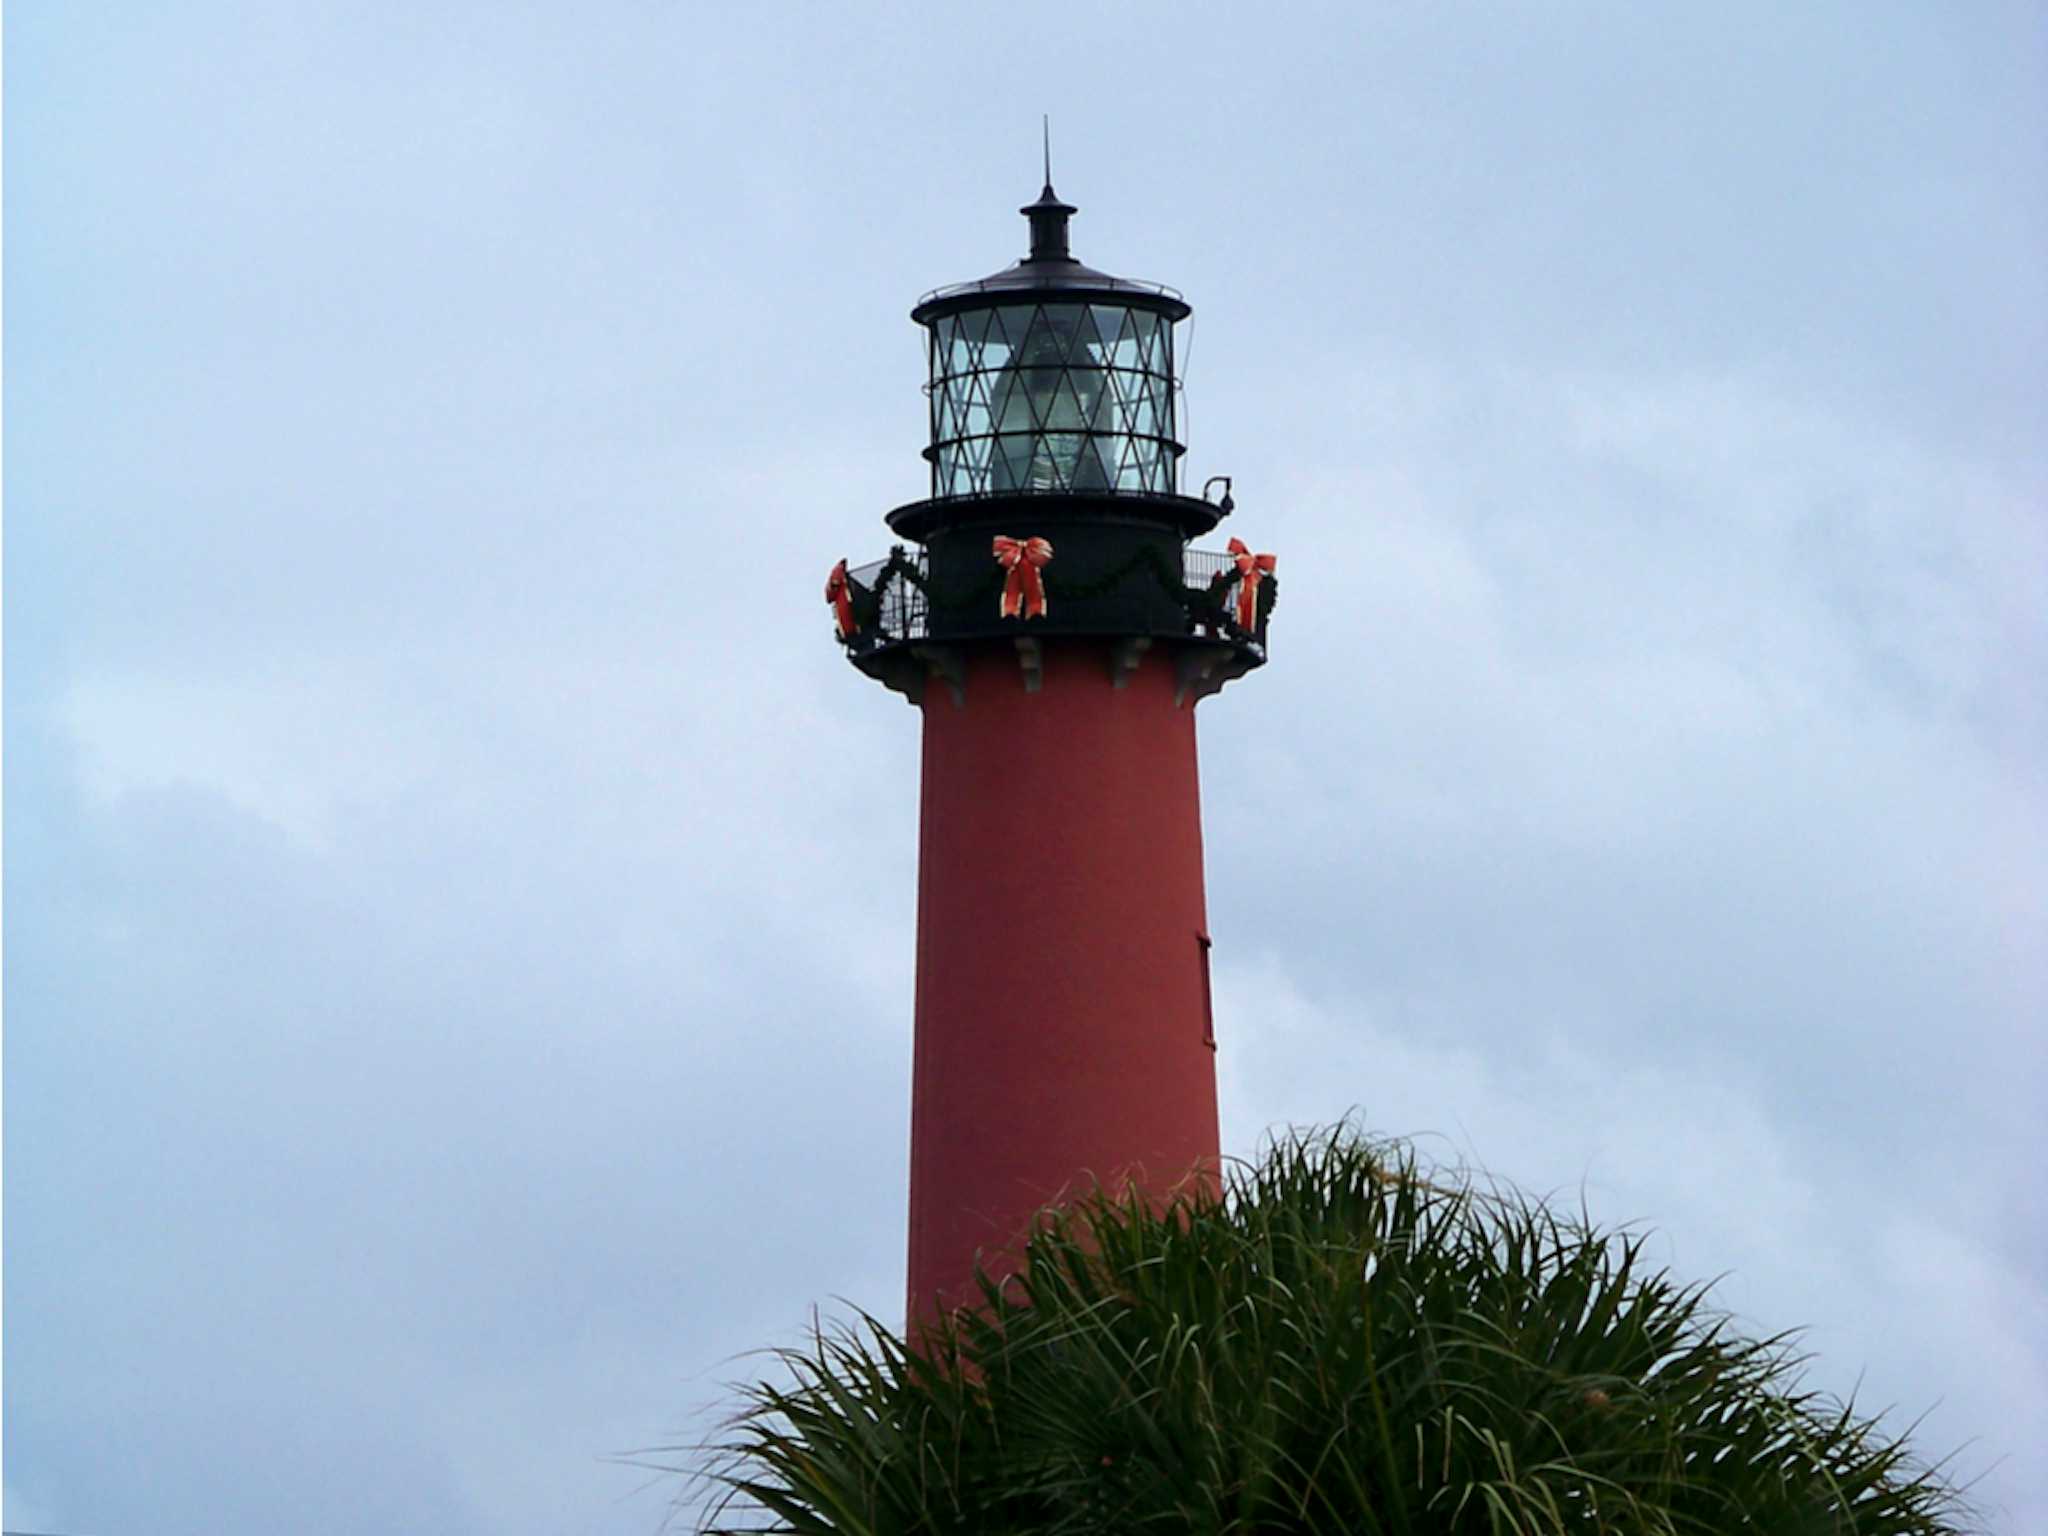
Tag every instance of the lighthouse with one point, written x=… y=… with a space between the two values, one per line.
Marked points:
x=1045 y=611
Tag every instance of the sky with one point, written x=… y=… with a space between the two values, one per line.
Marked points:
x=460 y=903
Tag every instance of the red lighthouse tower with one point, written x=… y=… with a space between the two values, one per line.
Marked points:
x=1048 y=617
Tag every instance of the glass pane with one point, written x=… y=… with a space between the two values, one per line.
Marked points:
x=1029 y=398
x=1125 y=388
x=1061 y=332
x=975 y=417
x=1127 y=467
x=1065 y=412
x=1150 y=468
x=1046 y=345
x=1097 y=403
x=1031 y=341
x=1096 y=470
x=1005 y=330
x=1143 y=419
x=1009 y=463
x=1009 y=404
x=1048 y=473
x=1139 y=326
x=1130 y=474
x=1053 y=392
x=1085 y=347
x=961 y=335
x=974 y=459
x=1106 y=324
x=1124 y=350
x=1162 y=348
x=1053 y=467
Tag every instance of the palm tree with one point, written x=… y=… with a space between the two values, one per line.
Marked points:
x=1333 y=1344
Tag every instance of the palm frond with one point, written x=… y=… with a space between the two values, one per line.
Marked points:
x=1334 y=1343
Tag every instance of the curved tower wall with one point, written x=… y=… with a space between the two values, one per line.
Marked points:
x=1063 y=1026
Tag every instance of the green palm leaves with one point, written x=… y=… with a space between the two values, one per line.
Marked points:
x=1336 y=1345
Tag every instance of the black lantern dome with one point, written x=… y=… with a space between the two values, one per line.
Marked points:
x=1050 y=377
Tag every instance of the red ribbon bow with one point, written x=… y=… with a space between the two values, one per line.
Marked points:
x=1251 y=570
x=1023 y=588
x=839 y=593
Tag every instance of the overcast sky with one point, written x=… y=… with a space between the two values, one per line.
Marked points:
x=460 y=904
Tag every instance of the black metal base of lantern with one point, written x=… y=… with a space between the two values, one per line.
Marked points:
x=1200 y=666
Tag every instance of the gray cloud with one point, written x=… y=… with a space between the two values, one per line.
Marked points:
x=460 y=906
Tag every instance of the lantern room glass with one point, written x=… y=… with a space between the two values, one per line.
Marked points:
x=1052 y=397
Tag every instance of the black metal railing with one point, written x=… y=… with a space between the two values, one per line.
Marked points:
x=892 y=606
x=1200 y=567
x=903 y=612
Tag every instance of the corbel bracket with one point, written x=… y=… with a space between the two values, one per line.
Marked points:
x=1124 y=657
x=1031 y=658
x=946 y=663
